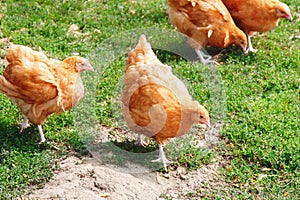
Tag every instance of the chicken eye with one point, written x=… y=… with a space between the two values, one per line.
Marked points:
x=201 y=117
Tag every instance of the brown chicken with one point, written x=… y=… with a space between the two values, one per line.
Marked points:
x=206 y=23
x=41 y=86
x=155 y=102
x=257 y=15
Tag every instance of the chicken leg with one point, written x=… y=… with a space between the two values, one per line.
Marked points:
x=41 y=134
x=24 y=124
x=249 y=46
x=162 y=157
x=204 y=58
x=140 y=141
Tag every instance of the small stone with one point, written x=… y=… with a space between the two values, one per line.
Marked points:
x=183 y=177
x=166 y=175
x=105 y=195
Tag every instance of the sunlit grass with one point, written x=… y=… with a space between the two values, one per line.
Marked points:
x=261 y=131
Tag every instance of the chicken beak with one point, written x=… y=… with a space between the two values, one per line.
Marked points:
x=244 y=47
x=205 y=123
x=87 y=67
x=208 y=124
x=289 y=17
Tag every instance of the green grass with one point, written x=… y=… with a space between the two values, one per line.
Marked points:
x=257 y=98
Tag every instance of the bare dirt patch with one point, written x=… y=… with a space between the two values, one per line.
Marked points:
x=89 y=178
x=86 y=179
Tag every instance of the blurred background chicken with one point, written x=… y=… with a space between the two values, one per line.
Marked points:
x=155 y=102
x=41 y=86
x=257 y=15
x=206 y=23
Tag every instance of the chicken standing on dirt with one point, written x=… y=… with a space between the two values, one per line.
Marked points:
x=41 y=86
x=257 y=15
x=155 y=102
x=206 y=23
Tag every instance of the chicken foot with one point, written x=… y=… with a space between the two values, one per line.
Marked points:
x=24 y=124
x=140 y=141
x=249 y=46
x=162 y=157
x=204 y=58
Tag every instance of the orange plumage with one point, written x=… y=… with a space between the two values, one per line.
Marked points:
x=41 y=86
x=155 y=102
x=257 y=15
x=206 y=23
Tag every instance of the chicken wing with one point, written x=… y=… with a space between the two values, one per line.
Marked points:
x=41 y=86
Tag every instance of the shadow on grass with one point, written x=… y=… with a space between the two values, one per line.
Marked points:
x=233 y=53
x=24 y=162
x=10 y=136
x=130 y=146
x=126 y=154
x=219 y=54
x=27 y=141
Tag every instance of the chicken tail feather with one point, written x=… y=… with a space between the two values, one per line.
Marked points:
x=142 y=53
x=7 y=88
x=19 y=54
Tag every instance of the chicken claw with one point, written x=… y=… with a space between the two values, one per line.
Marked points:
x=25 y=125
x=162 y=157
x=249 y=46
x=204 y=58
x=140 y=141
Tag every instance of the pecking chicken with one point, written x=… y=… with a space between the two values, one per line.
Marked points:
x=257 y=15
x=155 y=102
x=206 y=23
x=41 y=86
